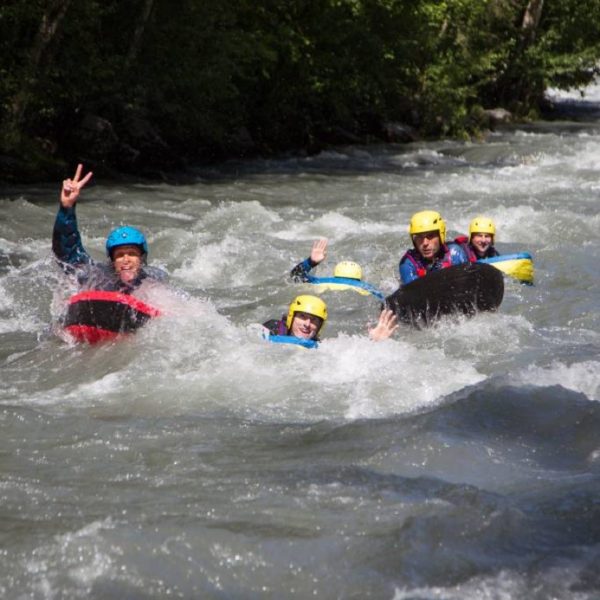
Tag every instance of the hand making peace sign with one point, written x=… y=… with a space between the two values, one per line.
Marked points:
x=72 y=187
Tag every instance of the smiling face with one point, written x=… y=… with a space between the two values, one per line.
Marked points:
x=427 y=244
x=305 y=326
x=127 y=261
x=481 y=242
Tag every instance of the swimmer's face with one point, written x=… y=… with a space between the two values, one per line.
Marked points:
x=305 y=326
x=127 y=261
x=481 y=242
x=427 y=243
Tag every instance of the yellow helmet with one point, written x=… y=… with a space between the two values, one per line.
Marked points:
x=482 y=225
x=427 y=220
x=311 y=305
x=348 y=269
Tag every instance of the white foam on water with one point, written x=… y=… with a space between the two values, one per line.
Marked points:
x=200 y=361
x=335 y=226
x=244 y=218
x=83 y=556
x=193 y=358
x=211 y=263
x=528 y=225
x=556 y=583
x=348 y=377
x=15 y=316
x=6 y=299
x=378 y=379
x=588 y=156
x=514 y=224
x=488 y=336
x=582 y=377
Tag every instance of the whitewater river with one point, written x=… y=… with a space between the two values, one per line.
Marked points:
x=196 y=460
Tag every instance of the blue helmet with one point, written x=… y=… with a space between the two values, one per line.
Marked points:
x=126 y=236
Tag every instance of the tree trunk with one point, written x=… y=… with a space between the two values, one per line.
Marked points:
x=138 y=34
x=51 y=19
x=531 y=20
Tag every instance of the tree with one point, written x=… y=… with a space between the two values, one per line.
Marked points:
x=51 y=18
x=138 y=33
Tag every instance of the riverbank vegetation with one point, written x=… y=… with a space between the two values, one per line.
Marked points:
x=150 y=86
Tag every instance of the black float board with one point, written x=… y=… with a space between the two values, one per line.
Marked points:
x=462 y=289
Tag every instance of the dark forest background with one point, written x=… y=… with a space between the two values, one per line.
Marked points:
x=148 y=87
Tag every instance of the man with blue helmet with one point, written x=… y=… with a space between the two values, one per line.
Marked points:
x=126 y=247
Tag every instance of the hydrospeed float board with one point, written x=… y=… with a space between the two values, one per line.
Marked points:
x=519 y=266
x=324 y=284
x=94 y=315
x=462 y=289
x=291 y=339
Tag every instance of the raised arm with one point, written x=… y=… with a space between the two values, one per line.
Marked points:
x=66 y=240
x=318 y=253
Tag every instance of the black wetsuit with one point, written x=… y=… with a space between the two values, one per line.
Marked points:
x=300 y=273
x=276 y=326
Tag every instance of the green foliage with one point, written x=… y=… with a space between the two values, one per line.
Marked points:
x=289 y=74
x=570 y=43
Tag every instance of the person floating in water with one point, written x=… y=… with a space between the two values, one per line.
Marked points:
x=480 y=243
x=306 y=317
x=126 y=248
x=347 y=274
x=430 y=253
x=479 y=247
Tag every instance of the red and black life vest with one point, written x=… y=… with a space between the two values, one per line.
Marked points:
x=444 y=261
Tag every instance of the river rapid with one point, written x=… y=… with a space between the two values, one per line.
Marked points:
x=196 y=460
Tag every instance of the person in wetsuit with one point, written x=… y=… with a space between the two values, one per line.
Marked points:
x=480 y=243
x=346 y=269
x=347 y=274
x=126 y=248
x=306 y=317
x=318 y=253
x=427 y=230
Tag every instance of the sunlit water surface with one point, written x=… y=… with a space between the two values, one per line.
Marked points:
x=195 y=460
